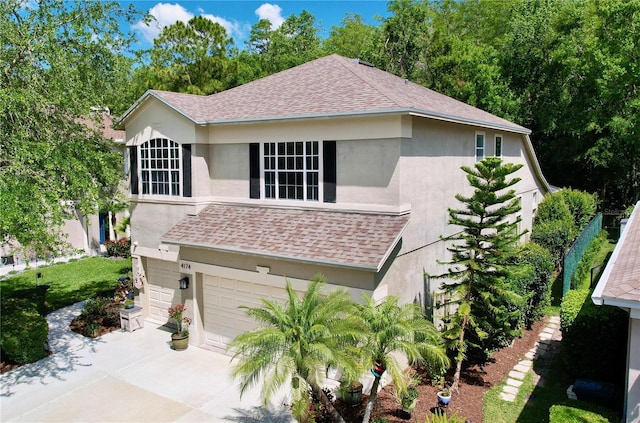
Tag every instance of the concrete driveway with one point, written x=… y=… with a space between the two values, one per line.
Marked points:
x=127 y=377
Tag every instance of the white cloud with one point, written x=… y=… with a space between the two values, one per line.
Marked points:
x=271 y=12
x=165 y=14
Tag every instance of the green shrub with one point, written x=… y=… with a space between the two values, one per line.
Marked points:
x=101 y=311
x=594 y=338
x=24 y=331
x=532 y=281
x=552 y=208
x=120 y=248
x=556 y=236
x=582 y=277
x=581 y=412
x=582 y=206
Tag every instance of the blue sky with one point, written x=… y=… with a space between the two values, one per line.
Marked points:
x=238 y=16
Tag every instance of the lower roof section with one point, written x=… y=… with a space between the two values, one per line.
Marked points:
x=334 y=238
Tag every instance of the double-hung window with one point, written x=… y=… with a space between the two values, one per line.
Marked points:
x=479 y=146
x=291 y=170
x=160 y=167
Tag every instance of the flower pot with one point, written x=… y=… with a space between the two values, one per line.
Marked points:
x=443 y=399
x=179 y=341
x=353 y=394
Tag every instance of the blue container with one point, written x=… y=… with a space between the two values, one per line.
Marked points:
x=594 y=391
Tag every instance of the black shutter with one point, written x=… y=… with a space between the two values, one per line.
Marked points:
x=186 y=170
x=329 y=169
x=254 y=170
x=133 y=169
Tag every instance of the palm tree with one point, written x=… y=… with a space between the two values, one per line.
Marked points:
x=393 y=328
x=296 y=344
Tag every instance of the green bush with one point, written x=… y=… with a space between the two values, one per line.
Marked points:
x=581 y=412
x=581 y=279
x=101 y=311
x=532 y=281
x=120 y=248
x=582 y=206
x=24 y=331
x=552 y=208
x=556 y=236
x=594 y=338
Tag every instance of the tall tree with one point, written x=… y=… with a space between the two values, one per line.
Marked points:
x=391 y=329
x=296 y=343
x=191 y=57
x=480 y=257
x=58 y=60
x=353 y=38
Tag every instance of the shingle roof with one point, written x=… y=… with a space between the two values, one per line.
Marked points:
x=623 y=283
x=358 y=240
x=332 y=85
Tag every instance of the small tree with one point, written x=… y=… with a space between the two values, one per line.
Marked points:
x=390 y=328
x=296 y=343
x=480 y=255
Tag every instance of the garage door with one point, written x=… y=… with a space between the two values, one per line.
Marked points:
x=223 y=319
x=163 y=286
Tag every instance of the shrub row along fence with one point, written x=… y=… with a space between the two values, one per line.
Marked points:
x=575 y=253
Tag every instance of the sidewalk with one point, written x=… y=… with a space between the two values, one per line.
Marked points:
x=127 y=377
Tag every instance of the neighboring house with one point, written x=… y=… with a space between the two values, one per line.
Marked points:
x=619 y=286
x=87 y=234
x=331 y=167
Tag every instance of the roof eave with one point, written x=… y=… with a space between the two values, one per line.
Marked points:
x=369 y=268
x=362 y=113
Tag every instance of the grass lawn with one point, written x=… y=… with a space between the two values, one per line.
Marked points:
x=533 y=403
x=69 y=282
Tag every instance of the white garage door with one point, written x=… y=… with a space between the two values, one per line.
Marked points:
x=163 y=286
x=160 y=299
x=223 y=319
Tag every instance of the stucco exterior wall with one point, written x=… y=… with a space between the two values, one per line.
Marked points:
x=155 y=120
x=633 y=378
x=150 y=220
x=336 y=276
x=229 y=170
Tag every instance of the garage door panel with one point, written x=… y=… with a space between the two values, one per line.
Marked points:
x=223 y=317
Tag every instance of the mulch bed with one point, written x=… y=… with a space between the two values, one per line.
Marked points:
x=475 y=381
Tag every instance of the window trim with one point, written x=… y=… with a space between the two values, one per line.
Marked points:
x=495 y=145
x=481 y=157
x=169 y=182
x=305 y=172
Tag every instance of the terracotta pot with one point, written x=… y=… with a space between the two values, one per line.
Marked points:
x=179 y=341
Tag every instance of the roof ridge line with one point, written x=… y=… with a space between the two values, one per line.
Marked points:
x=372 y=85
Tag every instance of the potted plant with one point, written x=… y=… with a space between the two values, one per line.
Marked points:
x=351 y=392
x=444 y=393
x=180 y=339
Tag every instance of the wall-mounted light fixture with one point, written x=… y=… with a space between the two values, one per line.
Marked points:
x=184 y=283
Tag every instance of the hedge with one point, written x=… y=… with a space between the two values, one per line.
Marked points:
x=594 y=338
x=24 y=331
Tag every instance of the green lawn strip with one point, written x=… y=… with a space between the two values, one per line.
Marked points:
x=69 y=282
x=497 y=410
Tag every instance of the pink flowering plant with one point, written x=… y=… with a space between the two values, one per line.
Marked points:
x=176 y=313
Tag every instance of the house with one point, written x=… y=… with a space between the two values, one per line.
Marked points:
x=619 y=286
x=331 y=167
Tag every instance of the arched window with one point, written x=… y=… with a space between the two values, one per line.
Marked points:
x=160 y=167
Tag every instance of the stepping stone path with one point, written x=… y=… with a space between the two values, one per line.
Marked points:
x=548 y=340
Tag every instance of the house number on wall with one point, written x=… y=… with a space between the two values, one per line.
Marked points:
x=185 y=266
